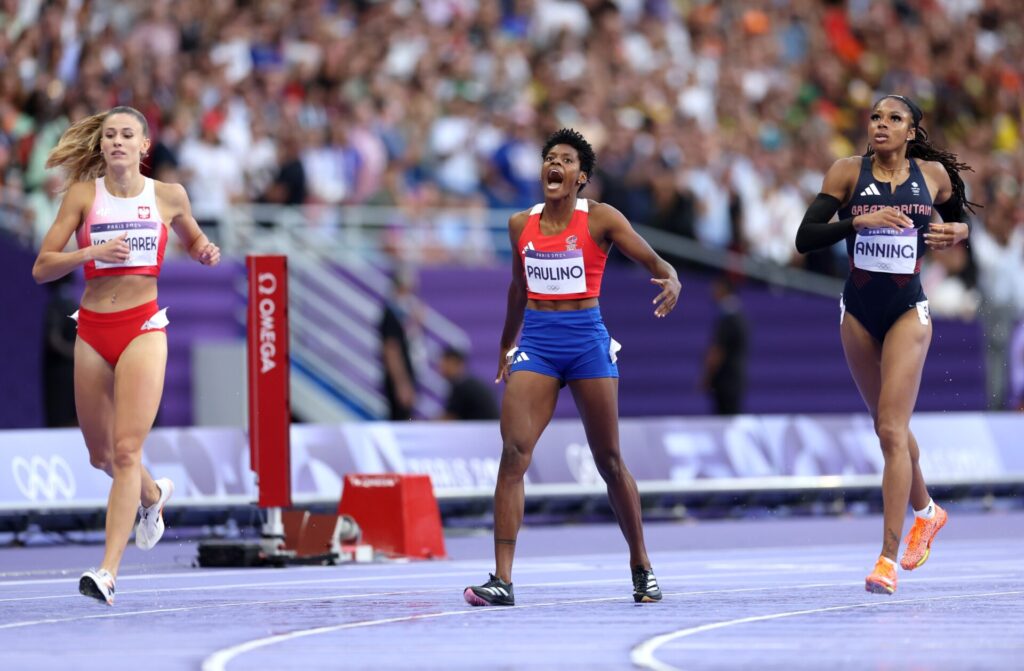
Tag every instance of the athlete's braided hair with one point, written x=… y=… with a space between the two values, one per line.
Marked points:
x=920 y=147
x=571 y=137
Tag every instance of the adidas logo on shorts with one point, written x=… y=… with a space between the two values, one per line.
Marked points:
x=520 y=357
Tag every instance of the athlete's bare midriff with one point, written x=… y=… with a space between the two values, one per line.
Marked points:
x=561 y=305
x=118 y=292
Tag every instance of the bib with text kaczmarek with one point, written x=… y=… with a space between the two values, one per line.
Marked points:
x=886 y=250
x=143 y=241
x=555 y=273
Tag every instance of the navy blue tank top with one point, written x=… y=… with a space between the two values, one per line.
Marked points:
x=879 y=250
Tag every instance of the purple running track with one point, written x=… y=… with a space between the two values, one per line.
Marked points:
x=762 y=594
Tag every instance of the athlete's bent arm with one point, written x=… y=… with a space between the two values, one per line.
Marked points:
x=53 y=262
x=179 y=210
x=816 y=232
x=953 y=229
x=621 y=233
x=516 y=304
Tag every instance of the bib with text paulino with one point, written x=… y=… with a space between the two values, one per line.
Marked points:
x=886 y=250
x=555 y=272
x=143 y=241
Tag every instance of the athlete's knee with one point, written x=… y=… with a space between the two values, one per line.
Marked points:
x=127 y=452
x=610 y=467
x=893 y=436
x=101 y=462
x=515 y=457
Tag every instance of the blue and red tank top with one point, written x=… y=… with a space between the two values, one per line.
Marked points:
x=565 y=266
x=138 y=217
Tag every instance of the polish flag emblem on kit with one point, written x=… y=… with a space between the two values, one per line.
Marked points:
x=143 y=212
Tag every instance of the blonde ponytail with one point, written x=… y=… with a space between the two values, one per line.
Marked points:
x=78 y=151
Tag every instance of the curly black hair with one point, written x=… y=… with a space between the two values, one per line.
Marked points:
x=920 y=147
x=571 y=137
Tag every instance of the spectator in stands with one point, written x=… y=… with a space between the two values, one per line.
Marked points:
x=731 y=91
x=59 y=355
x=212 y=171
x=885 y=200
x=999 y=251
x=120 y=219
x=1017 y=368
x=725 y=362
x=469 y=397
x=398 y=324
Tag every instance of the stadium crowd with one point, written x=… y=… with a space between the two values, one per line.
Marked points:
x=712 y=120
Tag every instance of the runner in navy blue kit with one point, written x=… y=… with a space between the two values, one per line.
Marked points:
x=560 y=248
x=887 y=201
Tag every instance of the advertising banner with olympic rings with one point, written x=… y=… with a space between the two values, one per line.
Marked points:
x=49 y=469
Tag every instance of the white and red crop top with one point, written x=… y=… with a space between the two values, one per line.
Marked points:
x=565 y=266
x=139 y=218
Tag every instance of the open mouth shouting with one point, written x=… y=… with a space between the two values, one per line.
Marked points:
x=554 y=179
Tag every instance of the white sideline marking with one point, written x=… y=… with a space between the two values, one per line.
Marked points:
x=643 y=654
x=156 y=611
x=534 y=568
x=218 y=661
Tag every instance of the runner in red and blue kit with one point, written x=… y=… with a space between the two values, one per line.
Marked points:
x=560 y=248
x=887 y=202
x=568 y=266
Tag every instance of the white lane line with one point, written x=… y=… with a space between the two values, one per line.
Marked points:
x=160 y=611
x=643 y=654
x=322 y=582
x=846 y=551
x=216 y=573
x=218 y=661
x=734 y=590
x=730 y=572
x=467 y=573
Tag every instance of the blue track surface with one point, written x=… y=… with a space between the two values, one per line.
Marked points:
x=766 y=594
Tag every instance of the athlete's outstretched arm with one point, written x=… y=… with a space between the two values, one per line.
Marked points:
x=53 y=262
x=516 y=304
x=619 y=232
x=179 y=213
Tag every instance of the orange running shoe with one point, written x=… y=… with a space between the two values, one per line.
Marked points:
x=919 y=540
x=883 y=579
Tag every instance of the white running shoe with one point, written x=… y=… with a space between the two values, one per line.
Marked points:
x=98 y=585
x=151 y=520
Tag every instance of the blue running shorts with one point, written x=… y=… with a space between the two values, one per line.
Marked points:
x=569 y=345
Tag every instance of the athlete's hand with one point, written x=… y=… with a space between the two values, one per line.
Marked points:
x=504 y=365
x=209 y=255
x=887 y=217
x=668 y=297
x=114 y=250
x=944 y=236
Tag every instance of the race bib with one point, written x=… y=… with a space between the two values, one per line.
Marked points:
x=143 y=241
x=885 y=250
x=555 y=273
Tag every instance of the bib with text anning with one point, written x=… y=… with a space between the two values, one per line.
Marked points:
x=886 y=250
x=555 y=273
x=143 y=241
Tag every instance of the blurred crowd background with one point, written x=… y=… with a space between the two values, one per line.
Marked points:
x=711 y=120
